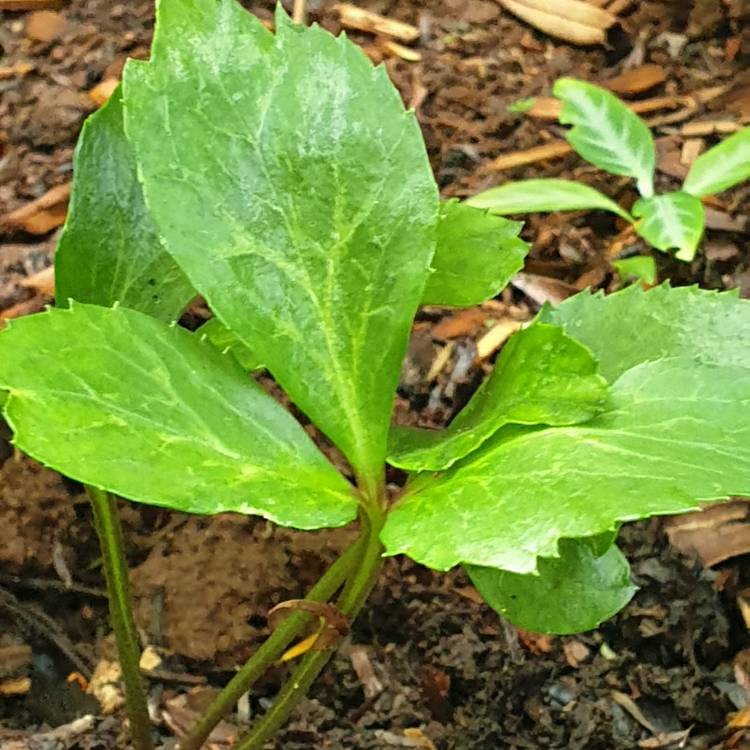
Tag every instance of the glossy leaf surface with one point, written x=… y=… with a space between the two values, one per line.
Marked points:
x=721 y=167
x=109 y=251
x=570 y=594
x=676 y=432
x=542 y=376
x=550 y=194
x=606 y=132
x=672 y=221
x=119 y=400
x=634 y=326
x=294 y=190
x=475 y=258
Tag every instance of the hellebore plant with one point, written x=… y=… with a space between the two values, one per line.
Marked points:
x=278 y=176
x=612 y=137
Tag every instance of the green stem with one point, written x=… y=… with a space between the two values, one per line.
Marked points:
x=107 y=522
x=351 y=600
x=270 y=650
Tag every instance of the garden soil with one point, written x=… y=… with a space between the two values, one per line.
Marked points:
x=427 y=665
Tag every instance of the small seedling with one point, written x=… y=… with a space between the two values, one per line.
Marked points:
x=612 y=137
x=278 y=176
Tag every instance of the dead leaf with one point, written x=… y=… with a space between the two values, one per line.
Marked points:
x=716 y=219
x=352 y=17
x=45 y=25
x=31 y=4
x=543 y=289
x=470 y=593
x=181 y=712
x=572 y=20
x=637 y=80
x=41 y=215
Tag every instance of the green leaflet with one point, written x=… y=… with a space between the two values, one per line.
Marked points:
x=606 y=132
x=109 y=251
x=671 y=220
x=641 y=267
x=550 y=194
x=119 y=400
x=721 y=167
x=542 y=376
x=295 y=192
x=676 y=433
x=570 y=594
x=475 y=257
x=226 y=341
x=633 y=326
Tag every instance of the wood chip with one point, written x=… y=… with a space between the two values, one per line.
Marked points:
x=371 y=685
x=724 y=222
x=637 y=80
x=31 y=4
x=576 y=653
x=15 y=686
x=19 y=70
x=417 y=738
x=691 y=150
x=543 y=289
x=43 y=282
x=715 y=534
x=462 y=323
x=572 y=20
x=550 y=150
x=45 y=26
x=399 y=50
x=103 y=90
x=496 y=337
x=710 y=127
x=41 y=215
x=352 y=17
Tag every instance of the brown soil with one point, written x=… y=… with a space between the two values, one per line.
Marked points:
x=452 y=673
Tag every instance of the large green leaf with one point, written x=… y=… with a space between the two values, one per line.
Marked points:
x=121 y=401
x=542 y=376
x=549 y=194
x=294 y=190
x=569 y=594
x=606 y=132
x=671 y=221
x=721 y=167
x=109 y=250
x=634 y=326
x=475 y=257
x=676 y=433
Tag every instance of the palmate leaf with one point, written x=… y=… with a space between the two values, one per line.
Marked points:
x=548 y=194
x=676 y=431
x=124 y=402
x=542 y=376
x=721 y=167
x=475 y=258
x=295 y=192
x=109 y=251
x=671 y=221
x=570 y=594
x=606 y=132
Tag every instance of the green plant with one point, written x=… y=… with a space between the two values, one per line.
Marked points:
x=612 y=137
x=279 y=176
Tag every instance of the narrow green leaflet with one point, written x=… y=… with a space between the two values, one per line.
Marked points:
x=119 y=400
x=569 y=594
x=721 y=167
x=642 y=267
x=549 y=194
x=226 y=341
x=606 y=132
x=634 y=326
x=109 y=250
x=475 y=257
x=542 y=376
x=294 y=190
x=676 y=433
x=671 y=221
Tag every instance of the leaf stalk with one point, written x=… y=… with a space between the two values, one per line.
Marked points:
x=109 y=530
